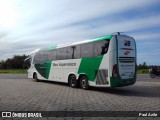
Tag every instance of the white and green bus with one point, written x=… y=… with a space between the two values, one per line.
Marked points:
x=108 y=61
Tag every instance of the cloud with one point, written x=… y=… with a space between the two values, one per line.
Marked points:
x=53 y=15
x=40 y=23
x=146 y=36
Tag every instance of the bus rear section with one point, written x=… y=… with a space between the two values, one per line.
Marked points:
x=124 y=69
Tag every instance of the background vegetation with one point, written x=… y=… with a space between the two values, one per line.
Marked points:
x=144 y=68
x=17 y=62
x=13 y=71
x=14 y=65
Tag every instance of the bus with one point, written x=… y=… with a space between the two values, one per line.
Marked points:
x=108 y=61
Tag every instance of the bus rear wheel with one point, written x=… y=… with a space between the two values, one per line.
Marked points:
x=84 y=83
x=72 y=81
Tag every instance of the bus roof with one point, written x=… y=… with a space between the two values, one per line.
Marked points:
x=76 y=43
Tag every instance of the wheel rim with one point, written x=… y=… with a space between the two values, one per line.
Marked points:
x=36 y=77
x=84 y=83
x=72 y=81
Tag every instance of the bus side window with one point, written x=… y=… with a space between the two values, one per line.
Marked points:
x=100 y=47
x=87 y=50
x=51 y=55
x=60 y=54
x=43 y=56
x=68 y=53
x=105 y=47
x=76 y=53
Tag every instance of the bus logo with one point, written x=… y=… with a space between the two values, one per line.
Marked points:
x=126 y=52
x=127 y=42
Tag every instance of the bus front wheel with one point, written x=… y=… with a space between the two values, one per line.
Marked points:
x=72 y=81
x=35 y=77
x=84 y=83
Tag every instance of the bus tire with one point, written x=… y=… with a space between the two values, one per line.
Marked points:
x=72 y=81
x=35 y=77
x=84 y=83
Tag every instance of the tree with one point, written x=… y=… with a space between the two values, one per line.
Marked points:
x=144 y=64
x=17 y=62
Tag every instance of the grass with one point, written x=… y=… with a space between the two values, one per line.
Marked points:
x=13 y=71
x=142 y=71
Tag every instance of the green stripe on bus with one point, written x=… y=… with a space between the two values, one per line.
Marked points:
x=103 y=38
x=44 y=69
x=48 y=68
x=89 y=67
x=49 y=48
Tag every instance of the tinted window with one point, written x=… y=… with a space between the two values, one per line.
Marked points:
x=75 y=52
x=69 y=52
x=51 y=55
x=43 y=56
x=101 y=47
x=64 y=53
x=40 y=57
x=87 y=50
x=72 y=52
x=59 y=54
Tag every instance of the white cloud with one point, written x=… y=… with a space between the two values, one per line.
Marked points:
x=129 y=25
x=146 y=36
x=40 y=23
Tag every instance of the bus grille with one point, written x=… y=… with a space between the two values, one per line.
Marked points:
x=101 y=78
x=126 y=59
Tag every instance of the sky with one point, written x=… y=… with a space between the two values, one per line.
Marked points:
x=26 y=25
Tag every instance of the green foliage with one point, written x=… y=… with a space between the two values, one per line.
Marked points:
x=142 y=71
x=143 y=66
x=14 y=71
x=17 y=62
